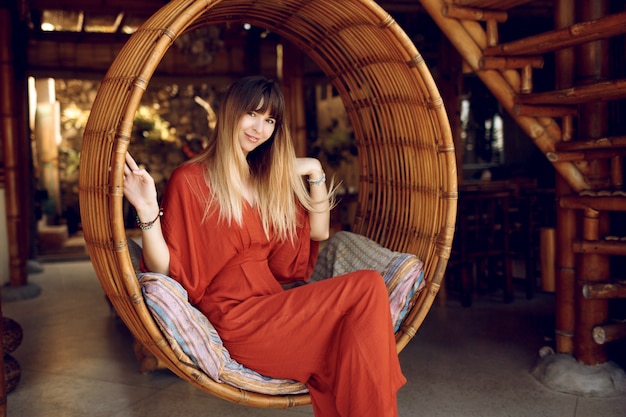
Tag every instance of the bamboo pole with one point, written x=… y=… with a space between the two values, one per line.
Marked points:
x=502 y=62
x=586 y=155
x=492 y=4
x=3 y=381
x=15 y=186
x=605 y=290
x=473 y=13
x=599 y=247
x=609 y=333
x=544 y=111
x=566 y=223
x=603 y=91
x=524 y=64
x=469 y=39
x=576 y=34
x=609 y=202
x=602 y=143
x=490 y=17
x=594 y=267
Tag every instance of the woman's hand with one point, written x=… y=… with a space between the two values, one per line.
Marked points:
x=310 y=167
x=320 y=217
x=140 y=190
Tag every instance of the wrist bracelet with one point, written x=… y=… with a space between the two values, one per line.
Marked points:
x=148 y=225
x=318 y=181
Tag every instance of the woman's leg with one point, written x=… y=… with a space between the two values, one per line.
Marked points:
x=336 y=335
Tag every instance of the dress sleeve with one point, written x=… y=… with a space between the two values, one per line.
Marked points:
x=294 y=261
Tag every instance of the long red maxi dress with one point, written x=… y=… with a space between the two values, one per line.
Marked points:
x=334 y=335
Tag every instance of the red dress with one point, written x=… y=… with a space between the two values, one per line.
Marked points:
x=334 y=335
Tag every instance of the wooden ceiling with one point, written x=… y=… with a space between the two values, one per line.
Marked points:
x=85 y=53
x=140 y=10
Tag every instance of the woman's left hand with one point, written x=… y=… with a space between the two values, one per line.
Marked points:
x=310 y=167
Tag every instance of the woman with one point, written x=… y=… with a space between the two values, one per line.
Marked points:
x=237 y=222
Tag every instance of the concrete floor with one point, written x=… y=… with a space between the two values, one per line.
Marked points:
x=77 y=360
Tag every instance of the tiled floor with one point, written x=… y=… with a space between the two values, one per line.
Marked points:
x=78 y=361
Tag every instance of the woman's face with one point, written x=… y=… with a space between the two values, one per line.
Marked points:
x=254 y=129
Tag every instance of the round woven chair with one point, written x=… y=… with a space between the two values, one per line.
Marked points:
x=407 y=195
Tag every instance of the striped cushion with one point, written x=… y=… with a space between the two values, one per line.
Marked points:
x=193 y=338
x=403 y=273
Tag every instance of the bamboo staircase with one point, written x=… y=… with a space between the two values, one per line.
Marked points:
x=572 y=127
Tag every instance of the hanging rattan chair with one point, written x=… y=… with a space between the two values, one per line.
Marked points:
x=407 y=194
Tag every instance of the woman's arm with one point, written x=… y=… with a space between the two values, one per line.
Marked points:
x=140 y=190
x=320 y=217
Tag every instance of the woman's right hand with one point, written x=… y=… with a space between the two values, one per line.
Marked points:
x=140 y=190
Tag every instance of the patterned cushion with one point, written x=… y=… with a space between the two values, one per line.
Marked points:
x=403 y=273
x=187 y=330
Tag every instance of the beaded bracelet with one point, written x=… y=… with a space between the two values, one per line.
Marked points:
x=318 y=181
x=148 y=225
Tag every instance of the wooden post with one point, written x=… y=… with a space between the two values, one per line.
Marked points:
x=14 y=162
x=547 y=243
x=592 y=66
x=3 y=382
x=565 y=319
x=591 y=267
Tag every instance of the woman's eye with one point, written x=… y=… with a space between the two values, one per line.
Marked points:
x=271 y=121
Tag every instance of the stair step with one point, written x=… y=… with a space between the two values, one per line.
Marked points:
x=602 y=91
x=600 y=247
x=589 y=155
x=554 y=40
x=544 y=111
x=609 y=142
x=603 y=200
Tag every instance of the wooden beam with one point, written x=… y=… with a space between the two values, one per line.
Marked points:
x=609 y=333
x=605 y=290
x=610 y=142
x=609 y=202
x=603 y=91
x=584 y=155
x=472 y=13
x=493 y=4
x=490 y=17
x=544 y=111
x=602 y=28
x=599 y=247
x=501 y=62
x=141 y=7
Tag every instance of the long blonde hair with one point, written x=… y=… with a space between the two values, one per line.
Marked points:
x=277 y=187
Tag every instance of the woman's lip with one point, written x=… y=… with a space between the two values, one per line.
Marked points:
x=252 y=138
